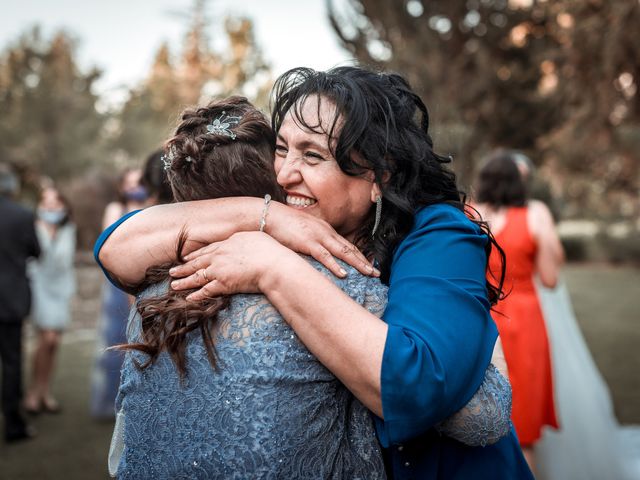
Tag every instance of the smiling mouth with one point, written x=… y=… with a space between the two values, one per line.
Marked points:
x=300 y=202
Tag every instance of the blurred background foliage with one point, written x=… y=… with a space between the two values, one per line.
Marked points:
x=54 y=126
x=557 y=80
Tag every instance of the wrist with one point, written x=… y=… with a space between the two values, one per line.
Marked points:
x=281 y=265
x=247 y=215
x=274 y=211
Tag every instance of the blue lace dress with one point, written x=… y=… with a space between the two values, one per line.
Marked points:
x=272 y=411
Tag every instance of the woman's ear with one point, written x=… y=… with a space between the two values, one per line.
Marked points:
x=375 y=192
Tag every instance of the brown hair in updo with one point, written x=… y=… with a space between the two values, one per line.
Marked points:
x=203 y=165
x=206 y=165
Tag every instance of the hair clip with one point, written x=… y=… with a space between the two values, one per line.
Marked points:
x=170 y=156
x=222 y=124
x=167 y=160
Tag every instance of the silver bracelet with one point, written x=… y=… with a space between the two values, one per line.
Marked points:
x=263 y=220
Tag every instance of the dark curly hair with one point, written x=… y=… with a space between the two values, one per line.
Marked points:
x=154 y=178
x=202 y=165
x=379 y=117
x=499 y=181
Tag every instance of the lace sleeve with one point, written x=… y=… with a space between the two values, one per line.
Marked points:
x=375 y=297
x=486 y=418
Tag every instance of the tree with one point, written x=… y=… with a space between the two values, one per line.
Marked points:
x=147 y=116
x=49 y=121
x=198 y=75
x=555 y=79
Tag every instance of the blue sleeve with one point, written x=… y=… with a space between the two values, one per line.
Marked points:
x=441 y=335
x=103 y=238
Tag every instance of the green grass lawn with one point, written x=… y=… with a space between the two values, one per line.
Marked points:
x=73 y=446
x=69 y=445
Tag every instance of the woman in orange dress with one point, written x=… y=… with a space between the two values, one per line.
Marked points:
x=525 y=231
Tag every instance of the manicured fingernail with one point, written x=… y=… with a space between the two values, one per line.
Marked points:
x=172 y=271
x=343 y=272
x=175 y=284
x=376 y=272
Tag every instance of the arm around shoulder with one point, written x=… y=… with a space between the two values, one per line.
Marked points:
x=150 y=237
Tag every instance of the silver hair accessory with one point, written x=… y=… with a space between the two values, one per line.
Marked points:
x=222 y=125
x=378 y=215
x=167 y=160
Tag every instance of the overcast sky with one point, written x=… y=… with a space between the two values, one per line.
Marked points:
x=121 y=36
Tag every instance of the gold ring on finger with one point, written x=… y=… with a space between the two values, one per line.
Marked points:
x=204 y=274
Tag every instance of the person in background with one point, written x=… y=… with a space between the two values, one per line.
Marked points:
x=18 y=242
x=154 y=179
x=53 y=280
x=591 y=444
x=115 y=306
x=525 y=230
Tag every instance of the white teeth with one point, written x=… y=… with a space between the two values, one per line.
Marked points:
x=300 y=201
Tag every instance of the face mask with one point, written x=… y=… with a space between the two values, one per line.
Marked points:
x=53 y=217
x=137 y=194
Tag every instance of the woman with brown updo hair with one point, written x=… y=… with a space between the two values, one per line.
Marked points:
x=524 y=228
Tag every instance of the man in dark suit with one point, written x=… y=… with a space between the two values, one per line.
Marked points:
x=18 y=242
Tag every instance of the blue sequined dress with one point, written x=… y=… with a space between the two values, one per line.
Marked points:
x=272 y=411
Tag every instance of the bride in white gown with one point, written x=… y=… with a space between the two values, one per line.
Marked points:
x=590 y=444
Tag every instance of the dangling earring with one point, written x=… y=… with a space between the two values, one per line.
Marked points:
x=378 y=215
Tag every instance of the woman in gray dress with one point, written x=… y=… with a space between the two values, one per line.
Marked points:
x=53 y=285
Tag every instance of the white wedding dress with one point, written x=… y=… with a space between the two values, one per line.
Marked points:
x=590 y=444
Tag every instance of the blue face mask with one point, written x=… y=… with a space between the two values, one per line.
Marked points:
x=52 y=217
x=137 y=194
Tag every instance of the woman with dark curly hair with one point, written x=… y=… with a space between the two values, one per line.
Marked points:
x=355 y=159
x=525 y=229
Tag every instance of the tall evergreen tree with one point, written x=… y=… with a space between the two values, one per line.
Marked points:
x=150 y=112
x=49 y=120
x=198 y=75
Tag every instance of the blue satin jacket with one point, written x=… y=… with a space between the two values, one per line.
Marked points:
x=440 y=341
